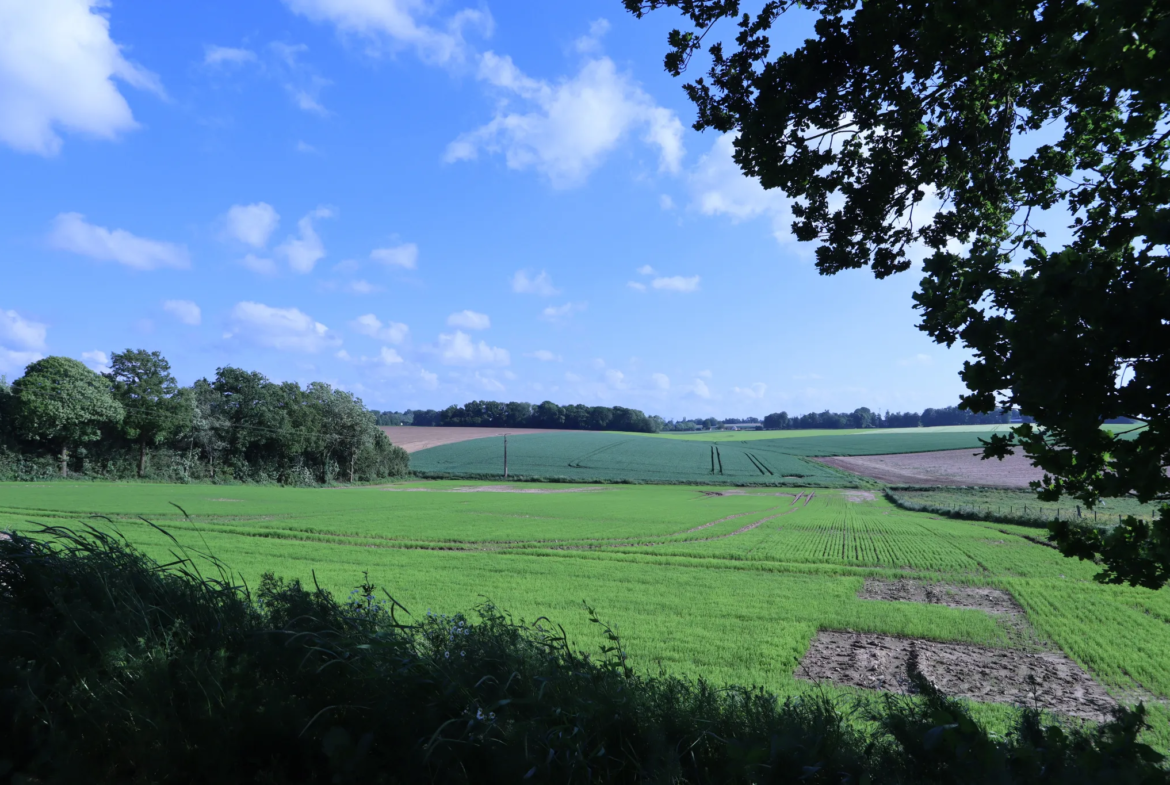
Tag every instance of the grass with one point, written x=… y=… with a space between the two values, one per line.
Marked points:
x=116 y=669
x=619 y=457
x=729 y=602
x=1006 y=503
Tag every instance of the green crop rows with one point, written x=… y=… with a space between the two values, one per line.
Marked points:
x=620 y=456
x=733 y=587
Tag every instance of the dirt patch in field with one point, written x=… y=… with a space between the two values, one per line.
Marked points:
x=738 y=492
x=949 y=594
x=946 y=467
x=1047 y=680
x=497 y=489
x=857 y=497
x=413 y=439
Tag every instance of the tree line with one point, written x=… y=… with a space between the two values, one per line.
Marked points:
x=136 y=421
x=866 y=418
x=516 y=414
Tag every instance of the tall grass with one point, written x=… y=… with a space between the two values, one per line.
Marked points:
x=115 y=668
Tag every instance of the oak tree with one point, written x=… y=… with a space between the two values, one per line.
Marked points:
x=991 y=113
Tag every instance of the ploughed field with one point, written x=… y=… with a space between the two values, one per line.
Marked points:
x=737 y=457
x=779 y=586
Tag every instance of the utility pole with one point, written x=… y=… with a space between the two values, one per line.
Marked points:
x=505 y=455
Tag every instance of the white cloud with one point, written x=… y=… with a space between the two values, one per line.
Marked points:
x=429 y=380
x=647 y=270
x=591 y=43
x=704 y=374
x=361 y=286
x=615 y=379
x=185 y=311
x=72 y=233
x=393 y=332
x=561 y=312
x=259 y=264
x=458 y=349
x=57 y=70
x=719 y=187
x=753 y=391
x=570 y=126
x=665 y=202
x=676 y=283
x=405 y=255
x=226 y=55
x=251 y=224
x=637 y=287
x=15 y=362
x=700 y=389
x=285 y=329
x=661 y=381
x=306 y=249
x=21 y=333
x=97 y=360
x=572 y=377
x=918 y=359
x=545 y=356
x=389 y=356
x=598 y=363
x=392 y=25
x=469 y=320
x=488 y=383
x=541 y=285
x=300 y=80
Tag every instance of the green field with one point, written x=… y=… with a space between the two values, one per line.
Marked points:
x=728 y=601
x=1021 y=504
x=742 y=436
x=587 y=456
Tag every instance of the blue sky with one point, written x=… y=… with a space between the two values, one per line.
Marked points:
x=424 y=203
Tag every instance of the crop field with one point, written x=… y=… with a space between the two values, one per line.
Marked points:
x=621 y=456
x=739 y=585
x=804 y=433
x=1015 y=503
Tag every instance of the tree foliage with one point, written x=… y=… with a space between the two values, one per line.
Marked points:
x=142 y=382
x=237 y=426
x=549 y=415
x=61 y=402
x=996 y=112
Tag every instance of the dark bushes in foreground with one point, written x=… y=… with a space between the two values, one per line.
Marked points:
x=116 y=669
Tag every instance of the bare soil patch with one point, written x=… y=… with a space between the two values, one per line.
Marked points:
x=949 y=594
x=946 y=467
x=496 y=489
x=1047 y=680
x=413 y=439
x=856 y=497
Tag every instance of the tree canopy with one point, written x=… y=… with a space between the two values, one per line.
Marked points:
x=143 y=384
x=954 y=132
x=60 y=401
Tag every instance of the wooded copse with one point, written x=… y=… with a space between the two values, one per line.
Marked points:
x=516 y=414
x=865 y=418
x=62 y=418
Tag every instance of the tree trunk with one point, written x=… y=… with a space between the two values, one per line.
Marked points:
x=141 y=459
x=65 y=460
x=351 y=456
